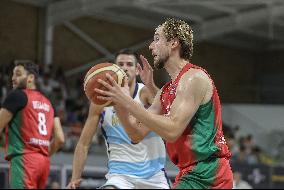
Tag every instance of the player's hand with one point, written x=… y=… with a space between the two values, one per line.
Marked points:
x=115 y=93
x=145 y=73
x=74 y=184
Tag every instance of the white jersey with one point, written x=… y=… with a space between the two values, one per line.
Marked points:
x=142 y=160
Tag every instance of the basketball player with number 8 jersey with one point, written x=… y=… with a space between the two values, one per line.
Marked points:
x=31 y=123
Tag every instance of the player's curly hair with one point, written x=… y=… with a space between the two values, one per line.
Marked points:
x=174 y=28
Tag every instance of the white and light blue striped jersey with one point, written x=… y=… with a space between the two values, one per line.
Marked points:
x=141 y=160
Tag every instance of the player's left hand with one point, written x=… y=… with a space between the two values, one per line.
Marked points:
x=145 y=72
x=74 y=184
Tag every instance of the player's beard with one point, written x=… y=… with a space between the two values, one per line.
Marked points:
x=22 y=83
x=159 y=64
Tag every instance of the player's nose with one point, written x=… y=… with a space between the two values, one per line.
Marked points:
x=13 y=79
x=124 y=67
x=151 y=47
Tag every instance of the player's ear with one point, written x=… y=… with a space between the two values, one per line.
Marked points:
x=137 y=69
x=31 y=78
x=175 y=43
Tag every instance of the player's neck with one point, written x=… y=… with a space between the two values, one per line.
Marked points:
x=132 y=87
x=31 y=86
x=174 y=66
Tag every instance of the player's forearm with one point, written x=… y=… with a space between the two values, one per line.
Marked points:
x=59 y=138
x=54 y=146
x=82 y=147
x=135 y=132
x=163 y=126
x=79 y=160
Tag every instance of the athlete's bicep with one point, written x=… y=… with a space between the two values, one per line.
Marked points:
x=190 y=93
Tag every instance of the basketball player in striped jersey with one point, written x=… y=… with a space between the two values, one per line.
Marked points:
x=31 y=123
x=131 y=166
x=186 y=112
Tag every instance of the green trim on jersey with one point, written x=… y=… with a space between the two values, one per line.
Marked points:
x=17 y=173
x=202 y=176
x=15 y=146
x=204 y=132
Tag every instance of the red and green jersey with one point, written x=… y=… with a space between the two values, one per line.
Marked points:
x=30 y=129
x=203 y=137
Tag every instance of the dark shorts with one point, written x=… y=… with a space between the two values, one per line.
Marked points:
x=29 y=171
x=213 y=173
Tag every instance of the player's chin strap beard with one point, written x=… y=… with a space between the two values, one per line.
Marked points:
x=159 y=65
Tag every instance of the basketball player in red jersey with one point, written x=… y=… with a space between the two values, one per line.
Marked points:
x=186 y=112
x=30 y=118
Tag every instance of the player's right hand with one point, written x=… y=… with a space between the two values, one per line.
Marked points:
x=74 y=184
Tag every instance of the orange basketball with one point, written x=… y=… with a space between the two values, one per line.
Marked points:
x=99 y=72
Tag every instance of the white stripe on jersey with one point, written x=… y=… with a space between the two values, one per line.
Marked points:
x=149 y=151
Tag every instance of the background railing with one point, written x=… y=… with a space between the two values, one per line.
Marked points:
x=258 y=176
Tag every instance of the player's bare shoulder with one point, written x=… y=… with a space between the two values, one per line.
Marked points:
x=145 y=96
x=201 y=80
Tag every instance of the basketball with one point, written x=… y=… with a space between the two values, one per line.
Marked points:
x=99 y=71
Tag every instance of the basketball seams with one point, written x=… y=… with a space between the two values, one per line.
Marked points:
x=108 y=68
x=92 y=94
x=97 y=72
x=96 y=67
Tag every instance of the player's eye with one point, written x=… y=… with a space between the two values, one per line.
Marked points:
x=130 y=64
x=18 y=74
